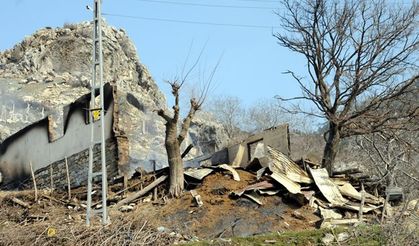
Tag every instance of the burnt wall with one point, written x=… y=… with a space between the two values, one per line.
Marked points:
x=78 y=168
x=33 y=144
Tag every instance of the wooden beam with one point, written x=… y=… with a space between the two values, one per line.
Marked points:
x=141 y=192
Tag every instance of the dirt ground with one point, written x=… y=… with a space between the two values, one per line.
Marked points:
x=220 y=216
x=223 y=216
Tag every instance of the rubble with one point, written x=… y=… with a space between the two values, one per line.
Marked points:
x=198 y=173
x=272 y=193
x=329 y=190
x=197 y=198
x=236 y=176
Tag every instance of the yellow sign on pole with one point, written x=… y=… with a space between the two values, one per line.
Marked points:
x=96 y=114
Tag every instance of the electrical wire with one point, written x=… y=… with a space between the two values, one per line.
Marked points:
x=190 y=22
x=203 y=4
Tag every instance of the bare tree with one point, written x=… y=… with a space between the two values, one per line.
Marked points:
x=393 y=157
x=265 y=114
x=175 y=136
x=361 y=56
x=229 y=112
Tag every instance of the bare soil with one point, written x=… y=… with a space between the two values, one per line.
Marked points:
x=223 y=216
x=166 y=220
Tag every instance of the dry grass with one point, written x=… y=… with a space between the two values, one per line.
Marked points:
x=403 y=227
x=123 y=231
x=59 y=225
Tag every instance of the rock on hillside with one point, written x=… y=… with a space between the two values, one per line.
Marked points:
x=52 y=68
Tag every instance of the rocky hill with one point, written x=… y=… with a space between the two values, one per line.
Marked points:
x=52 y=68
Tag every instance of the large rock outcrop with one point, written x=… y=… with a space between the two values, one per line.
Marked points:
x=52 y=68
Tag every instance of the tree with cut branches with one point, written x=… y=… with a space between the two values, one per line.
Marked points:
x=175 y=133
x=361 y=57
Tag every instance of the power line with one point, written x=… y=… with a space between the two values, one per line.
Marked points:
x=203 y=4
x=260 y=1
x=190 y=22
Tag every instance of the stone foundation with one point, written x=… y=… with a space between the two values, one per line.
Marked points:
x=78 y=168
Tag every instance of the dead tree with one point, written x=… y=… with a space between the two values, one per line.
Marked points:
x=361 y=56
x=229 y=111
x=174 y=137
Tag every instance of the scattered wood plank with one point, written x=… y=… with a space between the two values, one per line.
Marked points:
x=190 y=146
x=329 y=190
x=55 y=199
x=268 y=192
x=253 y=199
x=281 y=163
x=141 y=192
x=258 y=186
x=348 y=190
x=20 y=202
x=332 y=222
x=197 y=198
x=356 y=206
x=328 y=214
x=235 y=174
x=290 y=185
x=198 y=173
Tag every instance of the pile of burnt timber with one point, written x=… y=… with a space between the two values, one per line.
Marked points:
x=336 y=199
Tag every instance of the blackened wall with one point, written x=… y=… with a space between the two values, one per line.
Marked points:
x=78 y=168
x=33 y=144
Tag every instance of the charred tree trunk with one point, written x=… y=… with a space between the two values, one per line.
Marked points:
x=331 y=148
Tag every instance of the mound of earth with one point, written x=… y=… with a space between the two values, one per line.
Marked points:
x=223 y=216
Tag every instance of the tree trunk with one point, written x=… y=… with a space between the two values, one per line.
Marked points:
x=175 y=161
x=331 y=148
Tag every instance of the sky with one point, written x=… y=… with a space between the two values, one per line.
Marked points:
x=251 y=62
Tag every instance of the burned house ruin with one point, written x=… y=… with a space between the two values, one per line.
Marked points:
x=44 y=88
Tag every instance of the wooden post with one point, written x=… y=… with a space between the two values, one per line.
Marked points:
x=34 y=181
x=361 y=206
x=155 y=189
x=140 y=193
x=387 y=199
x=51 y=179
x=68 y=178
x=125 y=184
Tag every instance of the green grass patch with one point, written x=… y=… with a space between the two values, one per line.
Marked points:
x=361 y=235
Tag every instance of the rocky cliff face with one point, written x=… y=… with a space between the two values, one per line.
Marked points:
x=52 y=68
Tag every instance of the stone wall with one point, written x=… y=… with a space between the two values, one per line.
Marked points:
x=78 y=168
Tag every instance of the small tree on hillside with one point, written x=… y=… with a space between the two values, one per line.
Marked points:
x=265 y=114
x=229 y=112
x=175 y=133
x=361 y=57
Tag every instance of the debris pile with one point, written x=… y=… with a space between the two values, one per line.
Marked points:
x=272 y=193
x=270 y=181
x=335 y=198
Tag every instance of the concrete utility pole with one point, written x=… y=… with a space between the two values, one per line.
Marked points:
x=96 y=111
